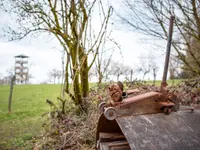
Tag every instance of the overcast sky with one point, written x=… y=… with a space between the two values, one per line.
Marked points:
x=45 y=53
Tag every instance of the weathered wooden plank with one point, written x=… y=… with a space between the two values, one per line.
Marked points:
x=178 y=130
x=109 y=137
x=118 y=143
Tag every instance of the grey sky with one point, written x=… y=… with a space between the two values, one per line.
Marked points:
x=45 y=53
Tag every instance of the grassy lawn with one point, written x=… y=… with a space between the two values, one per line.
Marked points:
x=25 y=121
x=169 y=82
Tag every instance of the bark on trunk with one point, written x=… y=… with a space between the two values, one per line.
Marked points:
x=84 y=72
x=84 y=79
x=77 y=92
x=67 y=75
x=100 y=79
x=76 y=83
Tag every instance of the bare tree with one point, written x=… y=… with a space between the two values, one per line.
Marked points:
x=59 y=75
x=102 y=68
x=153 y=22
x=119 y=69
x=175 y=70
x=71 y=23
x=153 y=67
x=143 y=67
x=53 y=74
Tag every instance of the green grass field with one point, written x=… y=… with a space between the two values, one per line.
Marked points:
x=25 y=121
x=169 y=82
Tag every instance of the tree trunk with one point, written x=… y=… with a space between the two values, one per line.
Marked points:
x=154 y=76
x=100 y=78
x=67 y=75
x=131 y=75
x=75 y=77
x=77 y=92
x=84 y=79
x=83 y=60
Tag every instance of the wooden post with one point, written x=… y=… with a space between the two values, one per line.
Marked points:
x=10 y=96
x=154 y=76
x=131 y=75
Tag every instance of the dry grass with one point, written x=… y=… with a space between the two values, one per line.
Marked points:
x=71 y=131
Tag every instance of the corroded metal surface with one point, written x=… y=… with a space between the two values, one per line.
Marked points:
x=167 y=56
x=141 y=104
x=147 y=103
x=179 y=130
x=140 y=97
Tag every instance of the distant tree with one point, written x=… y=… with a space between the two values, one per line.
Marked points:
x=153 y=67
x=56 y=75
x=119 y=69
x=53 y=74
x=102 y=69
x=92 y=73
x=44 y=82
x=8 y=77
x=143 y=67
x=59 y=75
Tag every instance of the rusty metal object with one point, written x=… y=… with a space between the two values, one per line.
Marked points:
x=142 y=119
x=110 y=113
x=188 y=108
x=164 y=83
x=141 y=104
x=139 y=97
x=115 y=93
x=101 y=106
x=151 y=102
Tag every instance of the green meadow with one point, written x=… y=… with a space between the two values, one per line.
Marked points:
x=28 y=106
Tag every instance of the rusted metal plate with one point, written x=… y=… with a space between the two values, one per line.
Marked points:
x=179 y=130
x=140 y=97
x=141 y=104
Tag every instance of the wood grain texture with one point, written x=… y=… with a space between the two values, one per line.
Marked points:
x=177 y=131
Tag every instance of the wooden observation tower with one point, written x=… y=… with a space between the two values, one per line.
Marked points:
x=21 y=69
